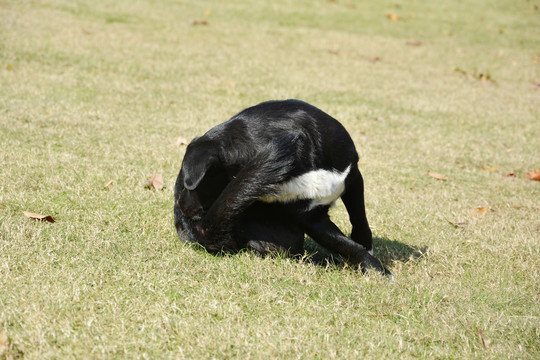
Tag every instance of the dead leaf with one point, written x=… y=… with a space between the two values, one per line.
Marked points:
x=414 y=43
x=436 y=176
x=197 y=22
x=156 y=182
x=392 y=16
x=479 y=211
x=484 y=77
x=489 y=169
x=39 y=217
x=533 y=175
x=180 y=141
x=481 y=337
x=109 y=183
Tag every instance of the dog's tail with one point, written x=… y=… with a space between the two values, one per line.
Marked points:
x=257 y=179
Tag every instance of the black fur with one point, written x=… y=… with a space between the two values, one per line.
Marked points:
x=227 y=171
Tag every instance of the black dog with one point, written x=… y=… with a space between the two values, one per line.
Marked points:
x=268 y=176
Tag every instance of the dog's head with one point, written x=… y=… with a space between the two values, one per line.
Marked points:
x=203 y=177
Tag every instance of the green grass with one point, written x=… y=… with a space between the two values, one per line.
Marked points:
x=97 y=91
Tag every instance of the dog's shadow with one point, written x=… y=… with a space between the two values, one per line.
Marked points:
x=386 y=250
x=389 y=251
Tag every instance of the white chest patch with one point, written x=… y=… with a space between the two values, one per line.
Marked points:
x=323 y=187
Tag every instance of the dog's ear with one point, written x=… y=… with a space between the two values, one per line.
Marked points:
x=198 y=159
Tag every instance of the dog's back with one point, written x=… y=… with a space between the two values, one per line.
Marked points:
x=321 y=141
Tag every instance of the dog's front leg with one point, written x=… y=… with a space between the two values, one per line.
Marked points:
x=321 y=229
x=353 y=198
x=256 y=179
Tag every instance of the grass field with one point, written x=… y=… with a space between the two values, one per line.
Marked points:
x=101 y=91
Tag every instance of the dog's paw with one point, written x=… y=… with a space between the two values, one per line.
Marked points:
x=370 y=262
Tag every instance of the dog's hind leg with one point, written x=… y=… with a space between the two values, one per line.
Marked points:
x=266 y=230
x=353 y=198
x=321 y=229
